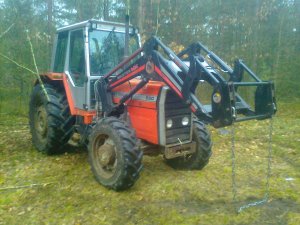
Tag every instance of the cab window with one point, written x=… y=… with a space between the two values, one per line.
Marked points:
x=107 y=50
x=77 y=58
x=60 y=53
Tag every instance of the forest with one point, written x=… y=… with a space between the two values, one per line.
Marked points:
x=264 y=33
x=59 y=189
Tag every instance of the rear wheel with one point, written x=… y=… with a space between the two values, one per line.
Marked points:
x=51 y=124
x=114 y=155
x=200 y=158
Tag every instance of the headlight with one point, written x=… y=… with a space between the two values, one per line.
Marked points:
x=185 y=121
x=169 y=123
x=217 y=97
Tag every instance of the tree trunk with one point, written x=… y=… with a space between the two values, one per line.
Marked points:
x=278 y=53
x=256 y=29
x=50 y=14
x=50 y=26
x=141 y=16
x=106 y=9
x=297 y=24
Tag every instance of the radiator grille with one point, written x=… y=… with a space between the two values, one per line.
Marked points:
x=176 y=109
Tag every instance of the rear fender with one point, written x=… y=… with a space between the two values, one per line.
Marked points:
x=53 y=78
x=60 y=81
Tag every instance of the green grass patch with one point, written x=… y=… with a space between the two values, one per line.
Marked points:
x=14 y=101
x=70 y=194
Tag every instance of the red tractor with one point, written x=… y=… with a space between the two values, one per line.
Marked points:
x=125 y=100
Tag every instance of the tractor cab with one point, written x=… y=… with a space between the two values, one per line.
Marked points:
x=88 y=50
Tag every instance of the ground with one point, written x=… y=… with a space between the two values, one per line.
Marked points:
x=40 y=189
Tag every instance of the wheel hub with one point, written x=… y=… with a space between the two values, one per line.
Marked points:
x=41 y=121
x=106 y=154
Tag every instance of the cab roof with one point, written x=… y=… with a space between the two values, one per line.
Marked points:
x=97 y=24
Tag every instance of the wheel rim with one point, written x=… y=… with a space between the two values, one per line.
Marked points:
x=40 y=121
x=105 y=156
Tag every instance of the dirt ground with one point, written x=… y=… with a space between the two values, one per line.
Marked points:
x=40 y=189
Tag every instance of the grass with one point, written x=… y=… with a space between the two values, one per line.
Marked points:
x=70 y=194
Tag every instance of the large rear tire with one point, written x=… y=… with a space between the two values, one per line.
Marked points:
x=200 y=158
x=51 y=123
x=114 y=155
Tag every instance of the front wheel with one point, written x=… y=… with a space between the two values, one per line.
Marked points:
x=114 y=155
x=200 y=158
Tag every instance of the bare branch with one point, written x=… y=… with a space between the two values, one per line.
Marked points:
x=26 y=186
x=19 y=65
x=23 y=67
x=33 y=56
x=36 y=68
x=6 y=31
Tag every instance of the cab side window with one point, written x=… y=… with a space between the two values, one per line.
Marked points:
x=77 y=58
x=60 y=53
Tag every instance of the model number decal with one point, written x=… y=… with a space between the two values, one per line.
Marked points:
x=141 y=97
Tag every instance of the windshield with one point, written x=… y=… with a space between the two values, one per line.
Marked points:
x=107 y=50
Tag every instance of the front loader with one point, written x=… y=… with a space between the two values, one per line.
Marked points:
x=126 y=100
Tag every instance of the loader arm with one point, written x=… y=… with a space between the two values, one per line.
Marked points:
x=155 y=61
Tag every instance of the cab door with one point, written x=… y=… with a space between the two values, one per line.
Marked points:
x=75 y=68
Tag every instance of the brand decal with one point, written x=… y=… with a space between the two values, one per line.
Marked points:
x=141 y=97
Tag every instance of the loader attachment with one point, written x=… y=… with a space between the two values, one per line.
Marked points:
x=233 y=108
x=227 y=105
x=182 y=73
